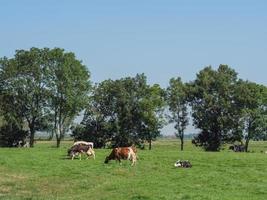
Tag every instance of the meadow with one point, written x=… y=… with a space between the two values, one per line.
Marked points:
x=44 y=172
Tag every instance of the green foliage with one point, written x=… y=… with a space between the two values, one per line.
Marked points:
x=11 y=134
x=226 y=109
x=38 y=83
x=23 y=85
x=90 y=133
x=123 y=112
x=250 y=99
x=177 y=100
x=68 y=88
x=213 y=108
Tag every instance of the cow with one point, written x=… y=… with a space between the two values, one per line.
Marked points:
x=79 y=149
x=21 y=143
x=237 y=148
x=84 y=142
x=183 y=163
x=125 y=153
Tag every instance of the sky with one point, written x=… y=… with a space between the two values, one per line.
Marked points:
x=161 y=38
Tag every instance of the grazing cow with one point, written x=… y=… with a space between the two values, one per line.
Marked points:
x=126 y=153
x=83 y=142
x=21 y=143
x=183 y=163
x=237 y=148
x=79 y=149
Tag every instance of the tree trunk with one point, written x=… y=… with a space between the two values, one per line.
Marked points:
x=58 y=141
x=32 y=132
x=150 y=144
x=58 y=136
x=182 y=143
x=247 y=142
x=248 y=137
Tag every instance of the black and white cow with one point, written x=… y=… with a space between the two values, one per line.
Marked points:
x=182 y=163
x=237 y=148
x=79 y=149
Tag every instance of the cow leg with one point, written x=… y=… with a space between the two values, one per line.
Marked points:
x=90 y=152
x=93 y=152
x=133 y=159
x=131 y=156
x=119 y=160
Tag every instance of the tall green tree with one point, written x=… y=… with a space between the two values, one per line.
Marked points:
x=39 y=83
x=251 y=100
x=11 y=124
x=177 y=100
x=23 y=87
x=213 y=106
x=151 y=114
x=68 y=87
x=124 y=112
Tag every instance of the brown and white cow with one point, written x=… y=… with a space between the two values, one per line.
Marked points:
x=79 y=149
x=125 y=153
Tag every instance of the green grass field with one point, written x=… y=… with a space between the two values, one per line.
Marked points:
x=44 y=172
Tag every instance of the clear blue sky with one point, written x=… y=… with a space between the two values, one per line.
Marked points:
x=162 y=38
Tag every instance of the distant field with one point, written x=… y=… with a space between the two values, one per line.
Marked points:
x=44 y=172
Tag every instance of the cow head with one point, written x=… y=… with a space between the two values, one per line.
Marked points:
x=178 y=163
x=69 y=152
x=232 y=147
x=106 y=160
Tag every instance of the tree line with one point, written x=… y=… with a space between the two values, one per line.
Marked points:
x=46 y=89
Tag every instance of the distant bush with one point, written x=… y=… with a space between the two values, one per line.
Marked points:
x=11 y=134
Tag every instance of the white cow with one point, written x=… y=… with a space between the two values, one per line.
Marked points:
x=85 y=143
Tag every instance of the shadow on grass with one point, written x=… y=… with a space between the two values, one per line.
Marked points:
x=140 y=197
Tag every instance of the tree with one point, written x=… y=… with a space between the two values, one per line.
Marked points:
x=40 y=83
x=176 y=97
x=68 y=88
x=98 y=124
x=251 y=100
x=151 y=114
x=23 y=87
x=213 y=106
x=11 y=125
x=123 y=112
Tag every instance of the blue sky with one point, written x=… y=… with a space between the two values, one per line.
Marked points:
x=161 y=38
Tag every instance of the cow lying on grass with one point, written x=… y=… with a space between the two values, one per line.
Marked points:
x=237 y=148
x=125 y=153
x=21 y=143
x=79 y=149
x=183 y=163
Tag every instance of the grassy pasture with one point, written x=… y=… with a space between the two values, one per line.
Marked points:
x=44 y=172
